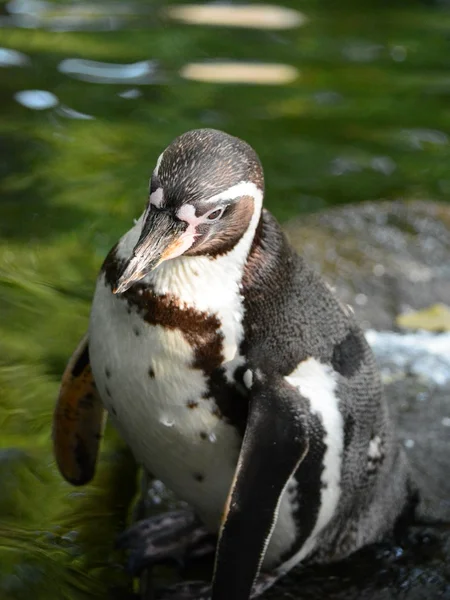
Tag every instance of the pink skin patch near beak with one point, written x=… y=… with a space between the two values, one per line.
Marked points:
x=185 y=213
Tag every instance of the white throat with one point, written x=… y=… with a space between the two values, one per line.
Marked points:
x=208 y=284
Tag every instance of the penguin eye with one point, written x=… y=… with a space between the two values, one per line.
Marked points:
x=215 y=215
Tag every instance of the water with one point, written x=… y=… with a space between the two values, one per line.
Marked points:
x=348 y=102
x=424 y=355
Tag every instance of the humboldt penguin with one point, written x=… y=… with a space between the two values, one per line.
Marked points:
x=236 y=377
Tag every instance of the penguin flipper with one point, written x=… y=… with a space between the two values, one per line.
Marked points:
x=78 y=419
x=275 y=443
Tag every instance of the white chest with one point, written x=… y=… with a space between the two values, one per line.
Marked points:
x=161 y=405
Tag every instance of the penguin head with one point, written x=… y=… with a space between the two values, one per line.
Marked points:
x=205 y=191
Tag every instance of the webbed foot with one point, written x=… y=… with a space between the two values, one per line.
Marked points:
x=172 y=536
x=199 y=590
x=189 y=590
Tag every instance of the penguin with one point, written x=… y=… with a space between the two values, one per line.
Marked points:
x=237 y=378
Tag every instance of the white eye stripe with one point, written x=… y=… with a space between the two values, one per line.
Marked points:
x=187 y=213
x=157 y=197
x=158 y=163
x=244 y=188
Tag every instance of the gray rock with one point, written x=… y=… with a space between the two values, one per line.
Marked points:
x=383 y=258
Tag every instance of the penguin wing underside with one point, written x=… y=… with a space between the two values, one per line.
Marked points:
x=78 y=419
x=275 y=443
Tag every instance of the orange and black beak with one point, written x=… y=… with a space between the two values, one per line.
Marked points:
x=159 y=240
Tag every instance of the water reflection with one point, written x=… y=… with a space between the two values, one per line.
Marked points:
x=36 y=99
x=131 y=94
x=258 y=16
x=416 y=138
x=70 y=113
x=33 y=14
x=142 y=72
x=240 y=72
x=12 y=58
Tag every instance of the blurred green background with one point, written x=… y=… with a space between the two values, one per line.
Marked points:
x=362 y=113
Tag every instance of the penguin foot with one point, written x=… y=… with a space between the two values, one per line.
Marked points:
x=170 y=537
x=189 y=590
x=199 y=590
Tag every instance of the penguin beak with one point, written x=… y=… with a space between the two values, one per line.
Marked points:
x=160 y=239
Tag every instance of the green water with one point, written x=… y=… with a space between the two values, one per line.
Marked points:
x=367 y=117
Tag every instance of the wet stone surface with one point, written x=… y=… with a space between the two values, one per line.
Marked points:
x=383 y=259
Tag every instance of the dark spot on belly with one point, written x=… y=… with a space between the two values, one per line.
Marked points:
x=151 y=373
x=107 y=373
x=349 y=354
x=113 y=410
x=203 y=435
x=108 y=392
x=199 y=477
x=191 y=404
x=136 y=331
x=129 y=310
x=82 y=362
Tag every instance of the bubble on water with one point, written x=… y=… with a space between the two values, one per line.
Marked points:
x=398 y=53
x=446 y=421
x=409 y=443
x=378 y=270
x=167 y=422
x=212 y=437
